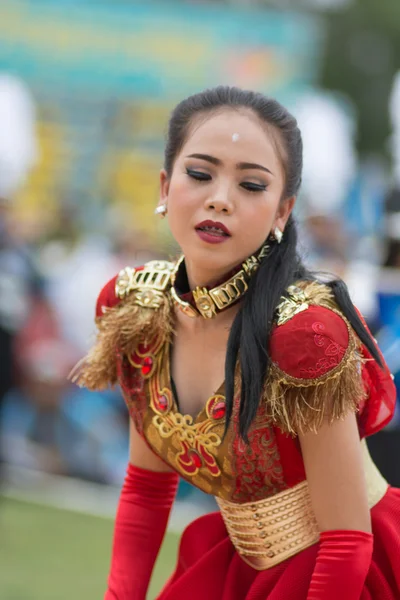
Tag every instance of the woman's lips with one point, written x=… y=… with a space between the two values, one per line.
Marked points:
x=214 y=225
x=212 y=232
x=211 y=237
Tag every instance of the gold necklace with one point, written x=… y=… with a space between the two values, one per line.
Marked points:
x=210 y=302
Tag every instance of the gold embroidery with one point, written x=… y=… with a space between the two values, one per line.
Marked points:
x=294 y=303
x=125 y=282
x=197 y=441
x=149 y=298
x=150 y=282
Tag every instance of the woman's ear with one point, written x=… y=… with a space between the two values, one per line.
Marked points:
x=284 y=211
x=164 y=187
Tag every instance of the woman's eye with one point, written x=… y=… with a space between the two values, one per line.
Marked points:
x=253 y=187
x=198 y=175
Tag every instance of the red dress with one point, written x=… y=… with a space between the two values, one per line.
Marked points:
x=319 y=370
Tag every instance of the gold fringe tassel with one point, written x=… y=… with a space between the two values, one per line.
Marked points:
x=121 y=329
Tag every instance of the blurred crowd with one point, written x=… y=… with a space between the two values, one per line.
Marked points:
x=350 y=222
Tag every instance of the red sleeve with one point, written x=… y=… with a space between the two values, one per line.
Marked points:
x=319 y=358
x=107 y=297
x=315 y=375
x=379 y=405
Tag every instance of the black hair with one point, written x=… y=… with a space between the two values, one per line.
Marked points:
x=248 y=339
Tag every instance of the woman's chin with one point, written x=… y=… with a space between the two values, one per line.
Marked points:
x=204 y=262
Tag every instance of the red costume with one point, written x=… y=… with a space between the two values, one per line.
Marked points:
x=264 y=543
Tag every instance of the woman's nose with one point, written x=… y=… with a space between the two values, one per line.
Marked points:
x=220 y=202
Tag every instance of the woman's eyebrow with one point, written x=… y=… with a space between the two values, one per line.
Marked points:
x=207 y=157
x=246 y=165
x=216 y=161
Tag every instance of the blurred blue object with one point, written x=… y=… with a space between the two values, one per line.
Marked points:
x=389 y=336
x=389 y=309
x=88 y=430
x=95 y=442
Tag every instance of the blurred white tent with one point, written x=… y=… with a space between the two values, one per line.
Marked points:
x=330 y=166
x=18 y=143
x=394 y=112
x=330 y=162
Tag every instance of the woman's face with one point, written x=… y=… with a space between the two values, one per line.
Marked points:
x=224 y=194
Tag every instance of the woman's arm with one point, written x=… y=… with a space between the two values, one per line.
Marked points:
x=335 y=474
x=140 y=455
x=143 y=511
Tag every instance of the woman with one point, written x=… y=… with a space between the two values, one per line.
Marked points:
x=304 y=512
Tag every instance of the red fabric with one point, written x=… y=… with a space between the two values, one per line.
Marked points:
x=142 y=517
x=378 y=408
x=209 y=567
x=107 y=297
x=314 y=342
x=342 y=565
x=311 y=344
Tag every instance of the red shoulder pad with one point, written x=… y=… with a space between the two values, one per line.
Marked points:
x=108 y=297
x=310 y=344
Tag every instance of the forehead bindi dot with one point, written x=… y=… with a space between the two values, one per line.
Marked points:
x=235 y=137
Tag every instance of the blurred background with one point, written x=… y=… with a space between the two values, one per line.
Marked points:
x=85 y=92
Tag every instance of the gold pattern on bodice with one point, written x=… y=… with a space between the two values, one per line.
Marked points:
x=194 y=445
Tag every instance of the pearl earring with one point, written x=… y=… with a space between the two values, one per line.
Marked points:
x=161 y=210
x=278 y=235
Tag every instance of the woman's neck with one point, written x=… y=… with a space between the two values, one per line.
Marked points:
x=205 y=277
x=221 y=320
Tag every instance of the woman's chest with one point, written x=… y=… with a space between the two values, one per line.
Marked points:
x=197 y=368
x=195 y=445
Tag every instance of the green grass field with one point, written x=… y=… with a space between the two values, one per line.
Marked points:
x=51 y=554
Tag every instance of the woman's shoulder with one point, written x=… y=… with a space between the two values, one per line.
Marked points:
x=311 y=336
x=320 y=370
x=144 y=284
x=316 y=362
x=132 y=308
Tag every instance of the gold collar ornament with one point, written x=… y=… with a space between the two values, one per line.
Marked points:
x=209 y=303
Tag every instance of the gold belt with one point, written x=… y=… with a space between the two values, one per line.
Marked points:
x=267 y=532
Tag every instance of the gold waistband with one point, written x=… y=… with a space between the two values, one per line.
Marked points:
x=267 y=532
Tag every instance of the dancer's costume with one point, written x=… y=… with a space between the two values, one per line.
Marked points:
x=264 y=542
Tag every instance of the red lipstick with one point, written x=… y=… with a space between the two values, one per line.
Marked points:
x=212 y=232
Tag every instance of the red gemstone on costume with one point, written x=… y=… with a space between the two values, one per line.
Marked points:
x=163 y=403
x=218 y=410
x=196 y=459
x=147 y=365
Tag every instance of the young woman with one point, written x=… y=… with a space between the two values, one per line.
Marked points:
x=249 y=378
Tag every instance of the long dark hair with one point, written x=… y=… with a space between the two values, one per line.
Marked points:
x=252 y=325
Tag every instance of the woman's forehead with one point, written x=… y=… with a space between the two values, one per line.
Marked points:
x=232 y=132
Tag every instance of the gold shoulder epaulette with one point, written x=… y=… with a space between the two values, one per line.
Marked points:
x=300 y=296
x=149 y=283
